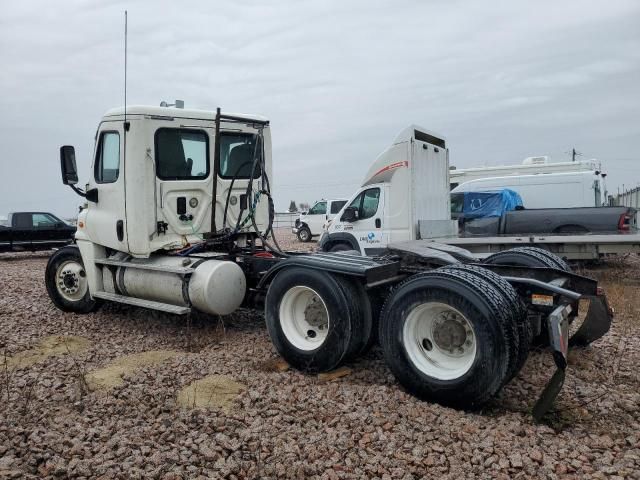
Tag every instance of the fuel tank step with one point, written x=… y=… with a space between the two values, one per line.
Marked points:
x=145 y=266
x=139 y=302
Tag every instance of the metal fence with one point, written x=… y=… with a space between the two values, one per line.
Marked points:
x=285 y=219
x=629 y=198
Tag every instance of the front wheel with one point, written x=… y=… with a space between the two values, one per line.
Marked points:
x=66 y=281
x=304 y=234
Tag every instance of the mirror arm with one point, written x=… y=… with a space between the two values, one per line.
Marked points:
x=78 y=191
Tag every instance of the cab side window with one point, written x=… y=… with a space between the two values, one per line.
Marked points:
x=367 y=203
x=238 y=152
x=370 y=203
x=337 y=206
x=182 y=154
x=107 y=164
x=42 y=220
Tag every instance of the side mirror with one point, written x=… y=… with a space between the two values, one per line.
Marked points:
x=350 y=214
x=68 y=165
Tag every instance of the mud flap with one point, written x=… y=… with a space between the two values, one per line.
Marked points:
x=558 y=324
x=596 y=323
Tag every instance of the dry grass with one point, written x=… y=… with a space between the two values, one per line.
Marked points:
x=213 y=391
x=112 y=375
x=47 y=347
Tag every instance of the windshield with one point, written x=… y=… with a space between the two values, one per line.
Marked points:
x=319 y=208
x=457 y=202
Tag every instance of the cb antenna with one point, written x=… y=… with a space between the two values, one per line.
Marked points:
x=125 y=125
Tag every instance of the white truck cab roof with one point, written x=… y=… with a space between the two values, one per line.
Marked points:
x=176 y=112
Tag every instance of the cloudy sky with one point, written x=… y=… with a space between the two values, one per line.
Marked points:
x=338 y=79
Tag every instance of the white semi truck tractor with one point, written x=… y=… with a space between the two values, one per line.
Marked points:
x=178 y=219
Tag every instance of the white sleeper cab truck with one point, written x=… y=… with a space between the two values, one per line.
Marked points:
x=179 y=219
x=405 y=190
x=311 y=223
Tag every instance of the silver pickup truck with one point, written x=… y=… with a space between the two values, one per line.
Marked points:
x=559 y=221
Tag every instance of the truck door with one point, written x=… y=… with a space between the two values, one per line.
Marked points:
x=316 y=217
x=22 y=229
x=106 y=220
x=368 y=229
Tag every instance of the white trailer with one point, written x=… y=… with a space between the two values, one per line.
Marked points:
x=545 y=190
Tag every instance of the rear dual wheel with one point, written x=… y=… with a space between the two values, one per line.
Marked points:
x=448 y=336
x=517 y=324
x=528 y=257
x=317 y=320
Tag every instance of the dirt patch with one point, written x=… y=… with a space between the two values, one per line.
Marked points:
x=112 y=375
x=212 y=391
x=48 y=347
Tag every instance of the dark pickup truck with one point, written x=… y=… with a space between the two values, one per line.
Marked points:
x=498 y=213
x=31 y=231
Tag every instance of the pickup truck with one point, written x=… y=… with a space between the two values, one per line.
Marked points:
x=31 y=231
x=501 y=213
x=311 y=223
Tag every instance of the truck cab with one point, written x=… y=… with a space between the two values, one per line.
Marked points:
x=312 y=223
x=405 y=190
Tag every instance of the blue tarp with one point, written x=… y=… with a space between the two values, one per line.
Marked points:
x=491 y=203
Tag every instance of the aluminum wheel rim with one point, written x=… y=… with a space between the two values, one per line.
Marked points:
x=304 y=236
x=304 y=318
x=439 y=340
x=71 y=281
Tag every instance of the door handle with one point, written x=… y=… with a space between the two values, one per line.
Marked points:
x=378 y=223
x=120 y=230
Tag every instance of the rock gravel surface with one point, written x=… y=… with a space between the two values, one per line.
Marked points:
x=279 y=423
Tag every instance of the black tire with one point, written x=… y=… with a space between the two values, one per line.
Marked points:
x=559 y=261
x=335 y=348
x=522 y=257
x=69 y=255
x=361 y=317
x=479 y=302
x=304 y=234
x=523 y=332
x=341 y=247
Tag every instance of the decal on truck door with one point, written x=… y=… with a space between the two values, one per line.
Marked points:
x=371 y=238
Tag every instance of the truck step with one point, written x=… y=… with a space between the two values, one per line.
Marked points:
x=144 y=266
x=139 y=302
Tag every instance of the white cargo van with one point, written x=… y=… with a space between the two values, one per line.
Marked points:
x=310 y=224
x=545 y=190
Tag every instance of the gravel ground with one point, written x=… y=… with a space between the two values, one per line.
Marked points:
x=283 y=424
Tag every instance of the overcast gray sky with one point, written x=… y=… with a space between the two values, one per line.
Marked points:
x=338 y=79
